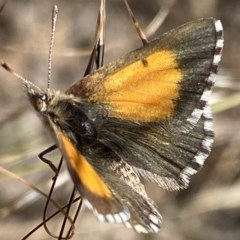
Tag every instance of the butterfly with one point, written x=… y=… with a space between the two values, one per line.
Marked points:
x=143 y=116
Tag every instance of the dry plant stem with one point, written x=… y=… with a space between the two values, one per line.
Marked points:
x=48 y=219
x=136 y=24
x=160 y=17
x=97 y=53
x=70 y=231
x=26 y=183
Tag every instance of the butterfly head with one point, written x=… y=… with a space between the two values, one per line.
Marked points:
x=39 y=98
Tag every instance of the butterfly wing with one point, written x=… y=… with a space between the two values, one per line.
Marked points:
x=110 y=187
x=159 y=152
x=169 y=79
x=150 y=107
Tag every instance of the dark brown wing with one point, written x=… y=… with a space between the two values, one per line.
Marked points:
x=169 y=79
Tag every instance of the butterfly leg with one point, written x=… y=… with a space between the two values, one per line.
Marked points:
x=47 y=161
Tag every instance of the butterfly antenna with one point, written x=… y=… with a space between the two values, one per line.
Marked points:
x=24 y=80
x=54 y=22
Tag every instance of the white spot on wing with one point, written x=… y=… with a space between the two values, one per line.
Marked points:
x=154 y=227
x=154 y=219
x=218 y=26
x=128 y=225
x=200 y=158
x=117 y=218
x=207 y=143
x=217 y=59
x=100 y=217
x=124 y=216
x=140 y=229
x=211 y=78
x=220 y=43
x=207 y=113
x=110 y=218
x=208 y=125
x=189 y=171
x=206 y=95
x=195 y=116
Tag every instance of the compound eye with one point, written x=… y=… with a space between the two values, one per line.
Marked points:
x=39 y=103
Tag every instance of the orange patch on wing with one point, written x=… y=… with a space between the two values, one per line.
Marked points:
x=145 y=90
x=83 y=169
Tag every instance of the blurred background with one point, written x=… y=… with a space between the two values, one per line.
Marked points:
x=208 y=209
